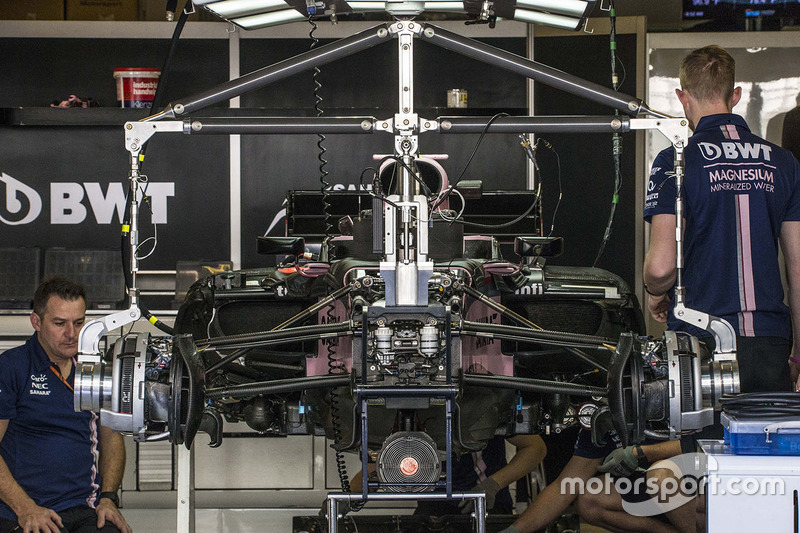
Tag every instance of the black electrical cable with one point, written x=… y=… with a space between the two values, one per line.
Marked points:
x=324 y=185
x=499 y=226
x=615 y=138
x=762 y=405
x=471 y=157
x=549 y=146
x=166 y=67
x=411 y=171
x=157 y=103
x=335 y=366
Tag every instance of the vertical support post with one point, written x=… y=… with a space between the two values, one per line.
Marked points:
x=364 y=446
x=235 y=143
x=449 y=444
x=480 y=513
x=185 y=482
x=333 y=515
x=679 y=174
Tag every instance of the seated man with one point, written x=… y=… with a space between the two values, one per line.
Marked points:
x=605 y=509
x=59 y=470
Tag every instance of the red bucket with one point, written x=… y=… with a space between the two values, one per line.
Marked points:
x=136 y=87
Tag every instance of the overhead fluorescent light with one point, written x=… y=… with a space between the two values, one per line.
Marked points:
x=254 y=22
x=228 y=9
x=450 y=6
x=559 y=21
x=366 y=5
x=571 y=8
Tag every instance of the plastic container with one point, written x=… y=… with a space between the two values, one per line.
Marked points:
x=457 y=98
x=766 y=436
x=136 y=87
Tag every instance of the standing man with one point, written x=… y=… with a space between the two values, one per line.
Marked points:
x=59 y=469
x=741 y=196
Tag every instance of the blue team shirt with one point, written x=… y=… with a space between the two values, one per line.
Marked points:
x=738 y=190
x=50 y=449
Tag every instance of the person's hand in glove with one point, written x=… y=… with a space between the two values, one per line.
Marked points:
x=623 y=462
x=490 y=487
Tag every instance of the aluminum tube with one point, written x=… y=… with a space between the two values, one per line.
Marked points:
x=547 y=124
x=533 y=385
x=283 y=125
x=538 y=72
x=278 y=386
x=282 y=70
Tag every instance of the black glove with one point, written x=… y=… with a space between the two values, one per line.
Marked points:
x=621 y=462
x=488 y=486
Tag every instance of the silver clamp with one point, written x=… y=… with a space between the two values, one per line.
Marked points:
x=138 y=133
x=94 y=330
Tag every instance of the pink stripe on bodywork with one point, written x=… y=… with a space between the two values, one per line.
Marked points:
x=747 y=295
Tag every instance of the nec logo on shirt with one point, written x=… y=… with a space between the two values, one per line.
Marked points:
x=39 y=385
x=734 y=150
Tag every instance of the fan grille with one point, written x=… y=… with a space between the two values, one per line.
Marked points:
x=409 y=457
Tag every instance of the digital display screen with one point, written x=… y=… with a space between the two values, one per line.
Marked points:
x=710 y=9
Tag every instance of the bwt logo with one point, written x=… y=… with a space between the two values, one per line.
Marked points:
x=732 y=150
x=23 y=204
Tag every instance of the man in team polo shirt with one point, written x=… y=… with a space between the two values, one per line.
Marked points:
x=59 y=469
x=741 y=196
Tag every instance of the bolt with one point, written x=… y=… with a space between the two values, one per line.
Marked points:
x=178 y=108
x=616 y=123
x=385 y=125
x=129 y=126
x=633 y=105
x=683 y=122
x=411 y=26
x=405 y=122
x=405 y=47
x=133 y=314
x=134 y=146
x=382 y=32
x=427 y=124
x=405 y=110
x=405 y=89
x=197 y=125
x=372 y=368
x=366 y=125
x=446 y=125
x=428 y=32
x=400 y=26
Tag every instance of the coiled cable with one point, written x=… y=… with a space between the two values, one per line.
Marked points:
x=762 y=405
